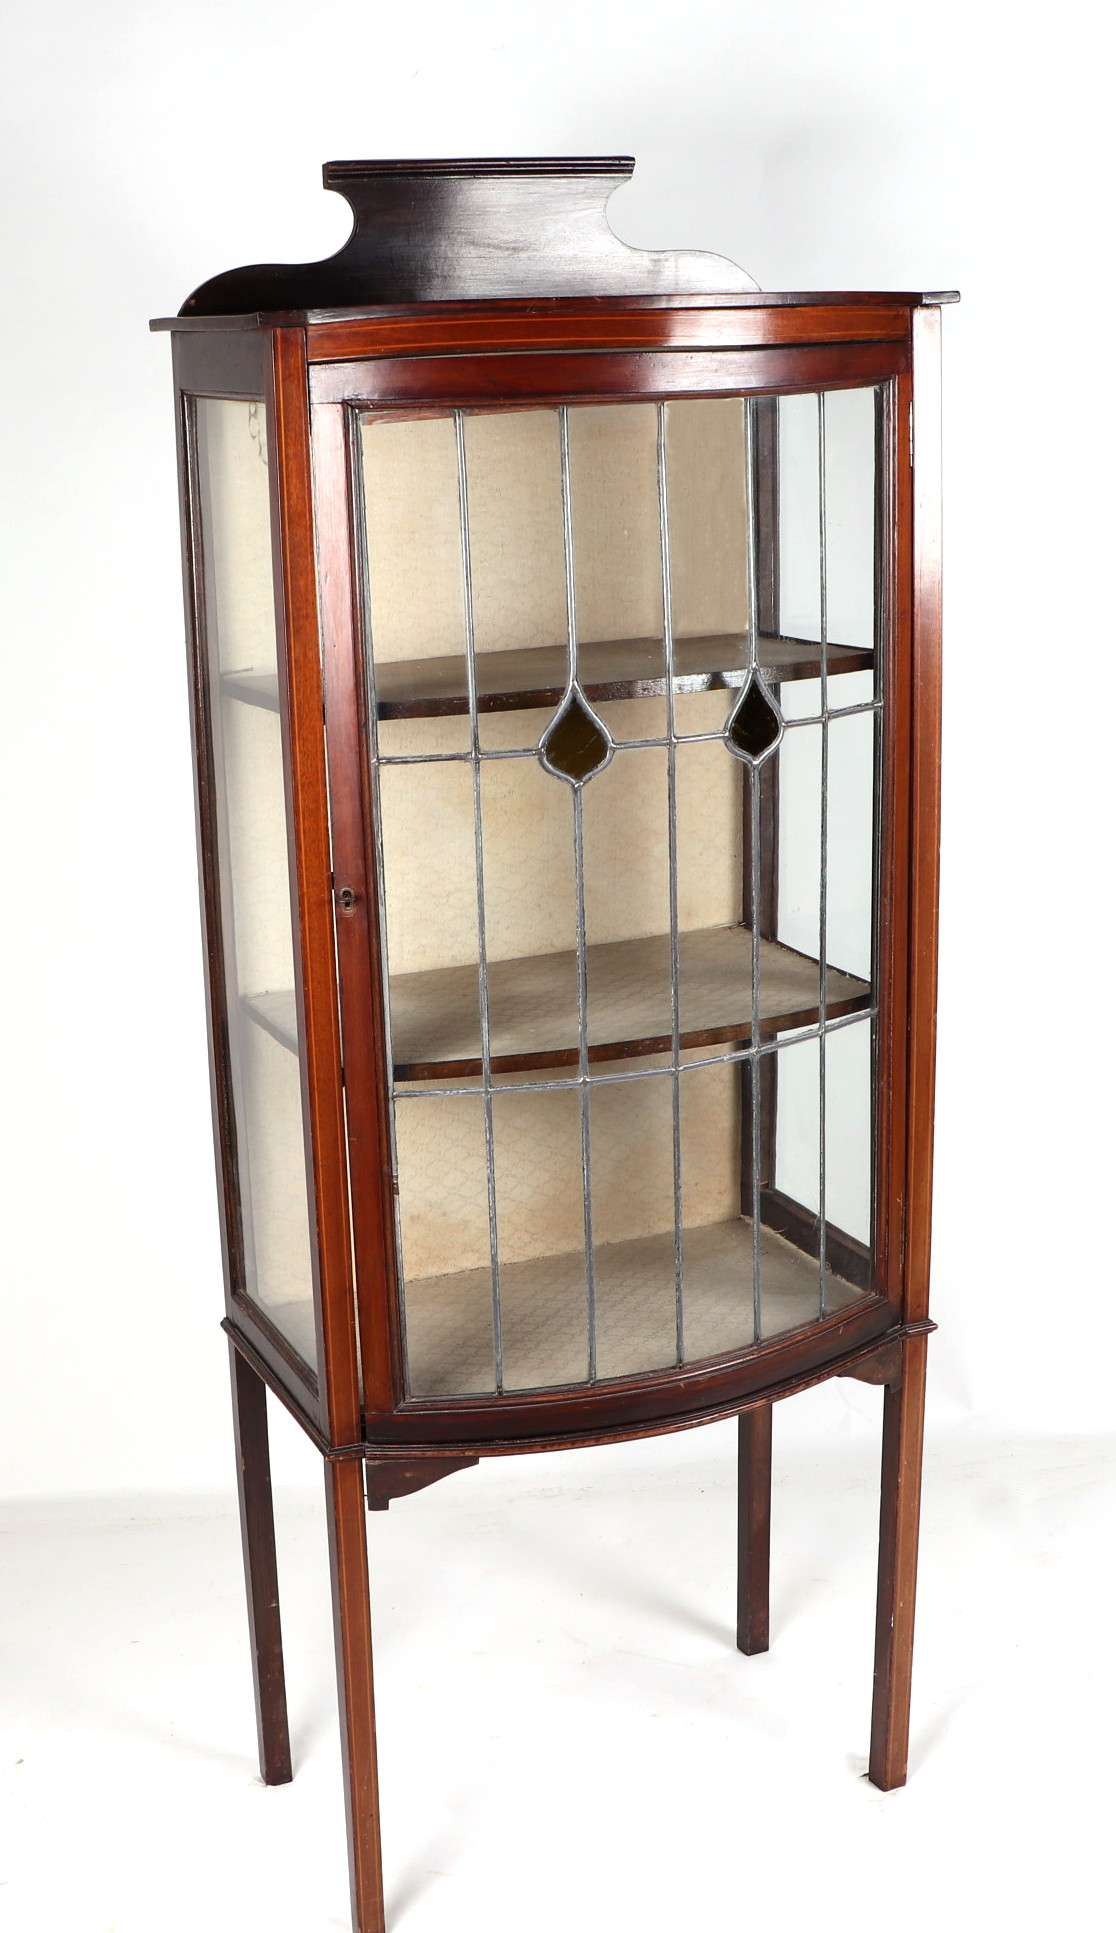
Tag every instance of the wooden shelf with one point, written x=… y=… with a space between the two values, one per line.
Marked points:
x=536 y=679
x=543 y=1310
x=533 y=1004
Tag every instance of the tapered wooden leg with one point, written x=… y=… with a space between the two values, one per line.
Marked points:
x=352 y=1623
x=257 y=1530
x=753 y=1560
x=901 y=1486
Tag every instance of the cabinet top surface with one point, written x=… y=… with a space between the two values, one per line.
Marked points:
x=556 y=307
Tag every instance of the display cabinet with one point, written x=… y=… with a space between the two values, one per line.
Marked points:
x=564 y=629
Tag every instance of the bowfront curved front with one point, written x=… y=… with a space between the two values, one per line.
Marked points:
x=616 y=692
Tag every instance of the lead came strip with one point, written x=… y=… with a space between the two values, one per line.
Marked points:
x=756 y=888
x=579 y=878
x=424 y=1091
x=482 y=948
x=630 y=744
x=672 y=859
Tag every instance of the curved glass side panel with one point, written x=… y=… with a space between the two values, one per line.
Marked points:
x=624 y=689
x=272 y=1260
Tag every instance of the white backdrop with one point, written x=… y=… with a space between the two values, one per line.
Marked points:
x=821 y=143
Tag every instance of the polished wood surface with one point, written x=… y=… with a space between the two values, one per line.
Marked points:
x=352 y=1624
x=353 y=829
x=533 y=1007
x=435 y=231
x=900 y=1500
x=793 y=1374
x=261 y=1576
x=613 y=668
x=926 y=711
x=606 y=669
x=543 y=377
x=388 y=1478
x=449 y=328
x=753 y=1547
x=296 y=599
x=609 y=1410
x=334 y=333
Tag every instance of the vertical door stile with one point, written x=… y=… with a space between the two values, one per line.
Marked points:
x=312 y=895
x=926 y=698
x=348 y=730
x=893 y=675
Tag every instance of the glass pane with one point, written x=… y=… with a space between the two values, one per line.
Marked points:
x=848 y=1139
x=518 y=569
x=540 y=1214
x=617 y=555
x=849 y=843
x=416 y=595
x=633 y=1216
x=446 y=1257
x=850 y=519
x=799 y=517
x=264 y=1050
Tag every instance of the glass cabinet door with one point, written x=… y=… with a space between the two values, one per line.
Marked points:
x=270 y=1236
x=625 y=710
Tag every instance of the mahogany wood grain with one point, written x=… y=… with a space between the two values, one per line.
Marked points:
x=926 y=702
x=790 y=1383
x=309 y=841
x=886 y=1366
x=525 y=680
x=753 y=1547
x=565 y=325
x=357 y=923
x=272 y=1372
x=765 y=914
x=507 y=381
x=261 y=1576
x=900 y=1494
x=892 y=959
x=388 y=1478
x=352 y=1623
x=562 y=1416
x=534 y=1019
x=345 y=318
x=614 y=668
x=429 y=231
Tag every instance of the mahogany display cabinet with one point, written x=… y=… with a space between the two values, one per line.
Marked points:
x=565 y=639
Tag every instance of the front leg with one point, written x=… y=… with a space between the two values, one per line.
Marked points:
x=352 y=1623
x=753 y=1549
x=900 y=1491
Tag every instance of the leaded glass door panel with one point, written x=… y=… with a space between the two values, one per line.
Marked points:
x=625 y=718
